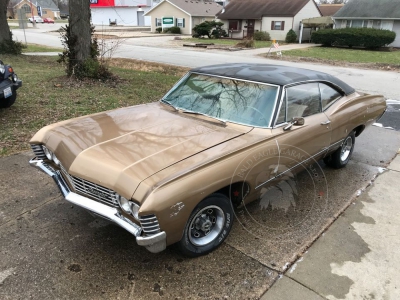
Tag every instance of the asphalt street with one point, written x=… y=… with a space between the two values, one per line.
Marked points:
x=52 y=250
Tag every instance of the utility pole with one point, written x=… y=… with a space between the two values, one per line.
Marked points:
x=33 y=17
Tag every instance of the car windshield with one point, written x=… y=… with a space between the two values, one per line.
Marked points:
x=225 y=99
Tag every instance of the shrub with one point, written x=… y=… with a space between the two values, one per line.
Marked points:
x=358 y=37
x=261 y=36
x=174 y=30
x=210 y=29
x=291 y=36
x=11 y=47
x=158 y=29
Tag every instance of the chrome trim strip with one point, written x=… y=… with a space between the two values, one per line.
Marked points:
x=154 y=243
x=295 y=166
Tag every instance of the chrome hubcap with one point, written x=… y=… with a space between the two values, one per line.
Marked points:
x=346 y=148
x=206 y=225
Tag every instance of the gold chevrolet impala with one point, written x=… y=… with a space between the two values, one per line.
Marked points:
x=173 y=171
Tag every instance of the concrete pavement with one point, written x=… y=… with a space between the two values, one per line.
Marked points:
x=357 y=257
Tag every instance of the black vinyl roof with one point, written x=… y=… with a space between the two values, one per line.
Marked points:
x=273 y=74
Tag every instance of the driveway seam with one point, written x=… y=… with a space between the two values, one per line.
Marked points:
x=308 y=288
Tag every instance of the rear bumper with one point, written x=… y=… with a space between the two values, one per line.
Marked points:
x=8 y=83
x=154 y=243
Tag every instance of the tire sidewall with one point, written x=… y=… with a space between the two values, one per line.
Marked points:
x=224 y=203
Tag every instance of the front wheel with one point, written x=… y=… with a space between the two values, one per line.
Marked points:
x=341 y=156
x=208 y=226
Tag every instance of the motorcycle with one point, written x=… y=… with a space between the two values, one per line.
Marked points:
x=9 y=83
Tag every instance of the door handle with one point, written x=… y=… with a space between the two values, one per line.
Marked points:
x=326 y=122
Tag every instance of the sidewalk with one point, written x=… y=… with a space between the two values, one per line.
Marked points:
x=358 y=256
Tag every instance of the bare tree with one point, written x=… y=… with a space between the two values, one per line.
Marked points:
x=4 y=28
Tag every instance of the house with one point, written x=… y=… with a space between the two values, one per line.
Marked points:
x=120 y=12
x=382 y=14
x=329 y=9
x=244 y=17
x=48 y=7
x=182 y=13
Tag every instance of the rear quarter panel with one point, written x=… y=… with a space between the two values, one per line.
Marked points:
x=353 y=111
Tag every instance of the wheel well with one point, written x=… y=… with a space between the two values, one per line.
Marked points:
x=235 y=191
x=359 y=129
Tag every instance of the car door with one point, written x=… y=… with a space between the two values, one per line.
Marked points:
x=301 y=143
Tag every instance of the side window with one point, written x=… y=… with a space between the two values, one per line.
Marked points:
x=328 y=95
x=303 y=100
x=282 y=112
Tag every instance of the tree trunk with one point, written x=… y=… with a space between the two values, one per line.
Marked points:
x=4 y=28
x=79 y=22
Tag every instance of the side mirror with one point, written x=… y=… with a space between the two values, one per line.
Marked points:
x=294 y=122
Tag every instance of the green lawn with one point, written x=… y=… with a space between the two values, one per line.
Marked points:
x=348 y=55
x=40 y=48
x=258 y=44
x=48 y=96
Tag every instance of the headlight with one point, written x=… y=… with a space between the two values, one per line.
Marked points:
x=14 y=78
x=55 y=159
x=129 y=207
x=48 y=153
x=2 y=69
x=125 y=205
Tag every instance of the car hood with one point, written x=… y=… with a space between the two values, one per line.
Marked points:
x=120 y=148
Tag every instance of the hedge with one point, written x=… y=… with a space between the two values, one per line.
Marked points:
x=353 y=37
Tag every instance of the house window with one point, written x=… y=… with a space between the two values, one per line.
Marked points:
x=376 y=24
x=44 y=12
x=388 y=25
x=365 y=23
x=348 y=23
x=234 y=25
x=278 y=25
x=356 y=23
x=26 y=8
x=158 y=22
x=180 y=22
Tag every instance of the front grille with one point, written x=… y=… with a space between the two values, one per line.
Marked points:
x=90 y=189
x=38 y=150
x=149 y=224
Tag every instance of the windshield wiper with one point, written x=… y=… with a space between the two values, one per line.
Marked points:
x=165 y=102
x=198 y=113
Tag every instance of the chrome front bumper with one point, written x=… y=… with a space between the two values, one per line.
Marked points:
x=154 y=243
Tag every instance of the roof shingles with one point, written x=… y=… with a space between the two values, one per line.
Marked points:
x=256 y=9
x=198 y=8
x=384 y=9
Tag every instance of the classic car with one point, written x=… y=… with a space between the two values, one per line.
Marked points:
x=35 y=19
x=173 y=171
x=9 y=83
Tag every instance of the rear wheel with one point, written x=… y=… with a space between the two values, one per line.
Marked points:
x=208 y=226
x=7 y=102
x=341 y=156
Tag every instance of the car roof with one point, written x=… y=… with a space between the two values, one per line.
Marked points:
x=273 y=74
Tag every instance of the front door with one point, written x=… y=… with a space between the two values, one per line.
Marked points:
x=307 y=142
x=250 y=28
x=140 y=18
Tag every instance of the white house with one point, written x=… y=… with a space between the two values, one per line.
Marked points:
x=382 y=14
x=121 y=12
x=244 y=17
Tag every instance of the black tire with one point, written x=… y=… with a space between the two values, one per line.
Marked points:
x=4 y=103
x=341 y=156
x=214 y=213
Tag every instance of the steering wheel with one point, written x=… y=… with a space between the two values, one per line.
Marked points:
x=256 y=110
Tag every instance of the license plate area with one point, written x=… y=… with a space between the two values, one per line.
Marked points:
x=7 y=92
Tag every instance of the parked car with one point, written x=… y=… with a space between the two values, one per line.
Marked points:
x=9 y=83
x=173 y=171
x=36 y=18
x=48 y=20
